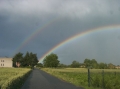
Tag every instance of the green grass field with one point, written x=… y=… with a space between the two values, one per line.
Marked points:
x=12 y=77
x=79 y=77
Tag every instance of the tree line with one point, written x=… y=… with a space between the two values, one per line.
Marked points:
x=92 y=63
x=29 y=59
x=51 y=60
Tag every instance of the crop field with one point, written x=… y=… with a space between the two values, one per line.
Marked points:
x=99 y=79
x=13 y=78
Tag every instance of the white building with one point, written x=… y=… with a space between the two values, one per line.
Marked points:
x=6 y=62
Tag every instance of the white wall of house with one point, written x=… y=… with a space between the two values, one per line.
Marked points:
x=6 y=62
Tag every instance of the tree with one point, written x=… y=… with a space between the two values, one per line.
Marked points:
x=87 y=63
x=111 y=66
x=33 y=59
x=94 y=63
x=29 y=59
x=75 y=64
x=26 y=60
x=103 y=65
x=91 y=63
x=51 y=60
x=17 y=59
x=39 y=65
x=62 y=65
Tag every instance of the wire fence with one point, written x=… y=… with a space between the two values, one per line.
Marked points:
x=104 y=79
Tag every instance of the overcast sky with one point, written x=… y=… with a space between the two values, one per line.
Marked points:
x=54 y=21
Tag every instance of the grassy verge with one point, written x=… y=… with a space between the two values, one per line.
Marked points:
x=13 y=78
x=79 y=77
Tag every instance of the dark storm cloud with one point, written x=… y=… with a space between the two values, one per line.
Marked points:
x=20 y=18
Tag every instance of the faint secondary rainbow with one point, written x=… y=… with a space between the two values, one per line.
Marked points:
x=81 y=34
x=33 y=35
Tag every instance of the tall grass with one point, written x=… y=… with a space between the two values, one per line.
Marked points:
x=79 y=77
x=13 y=78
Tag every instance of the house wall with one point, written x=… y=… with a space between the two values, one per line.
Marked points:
x=6 y=62
x=117 y=67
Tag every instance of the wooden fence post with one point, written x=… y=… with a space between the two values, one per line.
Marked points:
x=103 y=79
x=88 y=77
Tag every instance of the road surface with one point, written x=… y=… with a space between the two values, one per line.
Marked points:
x=39 y=79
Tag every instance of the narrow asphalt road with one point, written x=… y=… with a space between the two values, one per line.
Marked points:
x=39 y=79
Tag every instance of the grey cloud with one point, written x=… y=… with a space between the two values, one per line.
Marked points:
x=102 y=46
x=68 y=8
x=21 y=18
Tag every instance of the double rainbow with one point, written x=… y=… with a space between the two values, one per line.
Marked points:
x=79 y=35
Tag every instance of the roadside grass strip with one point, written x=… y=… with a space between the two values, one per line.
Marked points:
x=79 y=77
x=13 y=78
